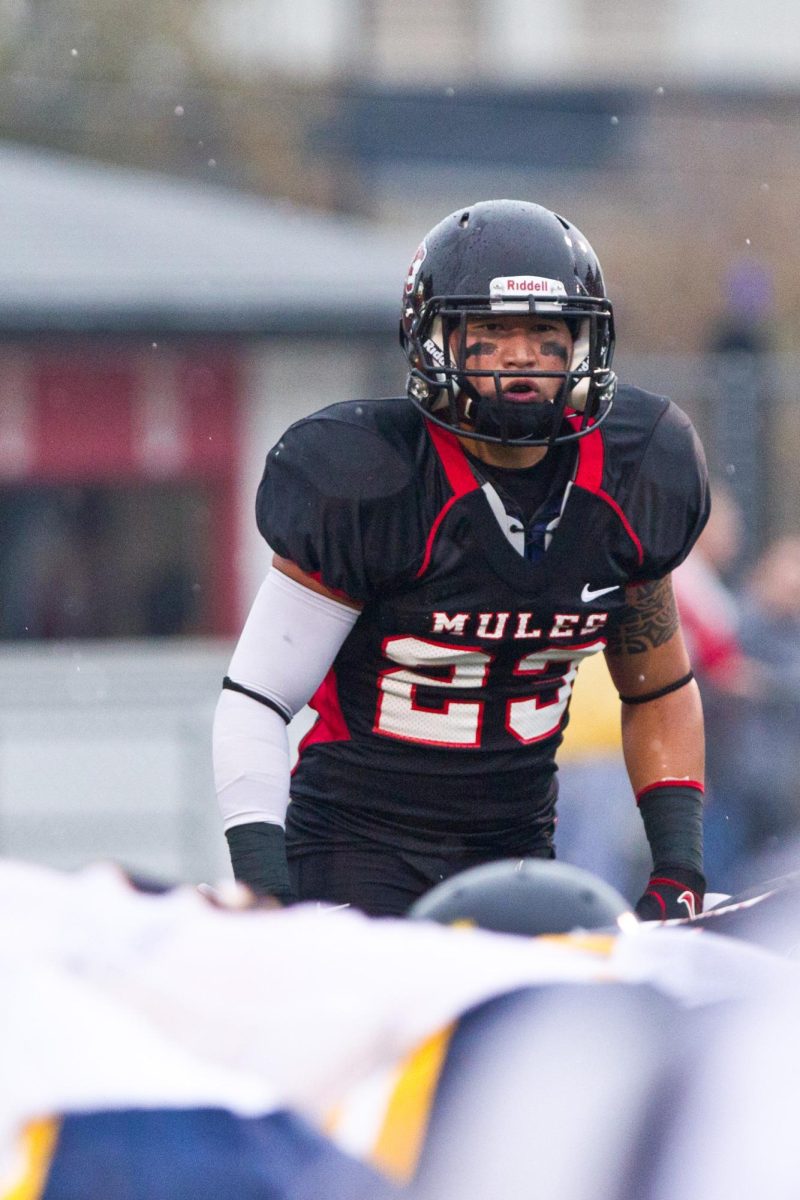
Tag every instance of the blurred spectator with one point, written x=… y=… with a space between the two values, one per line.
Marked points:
x=744 y=325
x=769 y=757
x=771 y=608
x=731 y=683
x=709 y=607
x=741 y=390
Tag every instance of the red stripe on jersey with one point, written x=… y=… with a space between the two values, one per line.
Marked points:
x=459 y=476
x=432 y=535
x=330 y=725
x=589 y=476
x=453 y=459
x=591 y=455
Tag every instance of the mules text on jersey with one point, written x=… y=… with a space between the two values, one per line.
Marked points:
x=521 y=626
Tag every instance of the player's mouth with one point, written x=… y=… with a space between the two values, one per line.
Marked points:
x=522 y=391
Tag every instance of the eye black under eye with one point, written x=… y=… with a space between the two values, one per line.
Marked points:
x=554 y=349
x=479 y=348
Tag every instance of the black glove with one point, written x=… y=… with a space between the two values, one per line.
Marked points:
x=672 y=892
x=258 y=858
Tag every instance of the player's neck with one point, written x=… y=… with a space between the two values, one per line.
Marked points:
x=511 y=457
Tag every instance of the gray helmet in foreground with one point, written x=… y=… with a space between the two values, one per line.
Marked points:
x=528 y=896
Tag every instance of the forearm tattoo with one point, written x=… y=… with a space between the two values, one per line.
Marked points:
x=650 y=619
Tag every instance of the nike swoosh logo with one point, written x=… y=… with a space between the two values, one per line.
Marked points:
x=590 y=593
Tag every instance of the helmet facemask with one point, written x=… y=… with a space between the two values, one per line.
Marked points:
x=442 y=385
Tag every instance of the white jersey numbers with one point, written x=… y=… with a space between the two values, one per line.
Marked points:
x=535 y=718
x=456 y=723
x=459 y=723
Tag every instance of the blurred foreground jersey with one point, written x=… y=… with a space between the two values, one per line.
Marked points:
x=193 y=1154
x=190 y=1031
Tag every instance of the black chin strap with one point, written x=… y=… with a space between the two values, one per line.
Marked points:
x=508 y=420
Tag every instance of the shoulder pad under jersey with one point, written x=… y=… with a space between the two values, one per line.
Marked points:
x=666 y=495
x=338 y=494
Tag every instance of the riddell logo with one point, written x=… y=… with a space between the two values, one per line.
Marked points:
x=525 y=285
x=436 y=354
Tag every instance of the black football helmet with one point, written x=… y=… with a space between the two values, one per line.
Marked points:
x=506 y=257
x=528 y=896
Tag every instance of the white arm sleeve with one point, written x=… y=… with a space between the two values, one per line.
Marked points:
x=288 y=643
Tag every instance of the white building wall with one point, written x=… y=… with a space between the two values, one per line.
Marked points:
x=310 y=39
x=105 y=754
x=737 y=40
x=519 y=42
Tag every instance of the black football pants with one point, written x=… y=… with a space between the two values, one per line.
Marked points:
x=378 y=880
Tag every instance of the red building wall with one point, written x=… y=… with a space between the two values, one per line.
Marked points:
x=131 y=415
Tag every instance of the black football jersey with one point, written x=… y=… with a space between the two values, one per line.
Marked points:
x=439 y=721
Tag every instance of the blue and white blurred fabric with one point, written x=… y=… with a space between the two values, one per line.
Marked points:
x=114 y=999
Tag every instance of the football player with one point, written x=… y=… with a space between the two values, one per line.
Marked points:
x=443 y=563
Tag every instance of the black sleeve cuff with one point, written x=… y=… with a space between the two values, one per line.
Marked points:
x=673 y=823
x=258 y=858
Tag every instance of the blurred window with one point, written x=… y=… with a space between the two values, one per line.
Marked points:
x=91 y=561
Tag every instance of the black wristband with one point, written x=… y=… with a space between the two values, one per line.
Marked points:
x=673 y=822
x=258 y=858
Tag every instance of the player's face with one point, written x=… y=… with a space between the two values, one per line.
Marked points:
x=515 y=343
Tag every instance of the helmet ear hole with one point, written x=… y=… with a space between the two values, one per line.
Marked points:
x=580 y=362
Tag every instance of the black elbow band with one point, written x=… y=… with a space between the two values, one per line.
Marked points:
x=673 y=822
x=258 y=858
x=230 y=685
x=664 y=691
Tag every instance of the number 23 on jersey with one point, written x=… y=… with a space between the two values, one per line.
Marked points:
x=459 y=723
